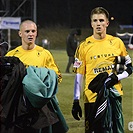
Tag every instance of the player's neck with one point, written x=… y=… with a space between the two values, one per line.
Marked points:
x=99 y=36
x=28 y=46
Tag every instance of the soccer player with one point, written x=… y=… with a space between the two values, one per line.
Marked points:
x=33 y=55
x=30 y=53
x=95 y=55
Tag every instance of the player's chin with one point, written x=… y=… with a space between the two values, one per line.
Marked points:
x=99 y=31
x=30 y=43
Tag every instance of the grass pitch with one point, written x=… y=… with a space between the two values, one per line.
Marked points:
x=65 y=95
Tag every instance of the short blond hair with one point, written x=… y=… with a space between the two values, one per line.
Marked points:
x=99 y=10
x=26 y=21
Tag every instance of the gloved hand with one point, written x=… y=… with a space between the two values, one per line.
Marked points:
x=76 y=110
x=120 y=68
x=120 y=60
x=111 y=80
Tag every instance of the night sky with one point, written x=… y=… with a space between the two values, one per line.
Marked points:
x=75 y=13
x=72 y=13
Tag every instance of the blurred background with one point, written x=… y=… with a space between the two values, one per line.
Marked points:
x=56 y=18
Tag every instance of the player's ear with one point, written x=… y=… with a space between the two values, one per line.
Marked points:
x=19 y=33
x=107 y=24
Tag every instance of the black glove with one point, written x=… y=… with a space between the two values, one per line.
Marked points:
x=111 y=80
x=120 y=60
x=76 y=110
x=120 y=68
x=120 y=64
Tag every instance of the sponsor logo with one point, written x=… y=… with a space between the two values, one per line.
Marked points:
x=103 y=67
x=77 y=63
x=101 y=56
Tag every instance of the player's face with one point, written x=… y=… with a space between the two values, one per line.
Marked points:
x=99 y=23
x=28 y=33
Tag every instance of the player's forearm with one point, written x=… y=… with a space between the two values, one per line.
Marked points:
x=78 y=86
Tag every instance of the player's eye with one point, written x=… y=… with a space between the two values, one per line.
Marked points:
x=27 y=31
x=94 y=20
x=33 y=31
x=101 y=20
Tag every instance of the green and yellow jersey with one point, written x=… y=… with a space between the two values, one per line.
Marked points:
x=38 y=57
x=96 y=56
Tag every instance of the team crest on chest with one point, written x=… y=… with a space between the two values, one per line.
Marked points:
x=38 y=53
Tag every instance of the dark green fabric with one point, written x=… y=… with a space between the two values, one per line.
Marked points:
x=117 y=117
x=107 y=110
x=40 y=85
x=61 y=126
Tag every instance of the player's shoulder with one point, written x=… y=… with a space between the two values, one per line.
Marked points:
x=113 y=38
x=13 y=51
x=84 y=45
x=86 y=41
x=17 y=48
x=41 y=49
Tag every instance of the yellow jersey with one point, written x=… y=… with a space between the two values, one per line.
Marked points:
x=38 y=57
x=96 y=56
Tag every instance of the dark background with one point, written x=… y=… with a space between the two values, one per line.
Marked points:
x=58 y=17
x=72 y=13
x=75 y=13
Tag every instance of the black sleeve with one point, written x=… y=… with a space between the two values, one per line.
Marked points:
x=129 y=69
